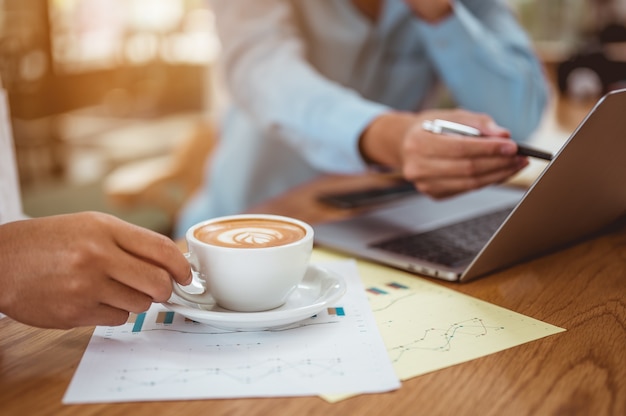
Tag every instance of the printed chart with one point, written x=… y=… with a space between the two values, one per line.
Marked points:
x=161 y=355
x=427 y=327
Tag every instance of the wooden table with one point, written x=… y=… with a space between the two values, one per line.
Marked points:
x=579 y=372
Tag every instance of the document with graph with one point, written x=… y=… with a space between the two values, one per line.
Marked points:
x=161 y=355
x=427 y=327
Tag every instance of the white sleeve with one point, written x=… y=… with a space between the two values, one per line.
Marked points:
x=10 y=198
x=265 y=67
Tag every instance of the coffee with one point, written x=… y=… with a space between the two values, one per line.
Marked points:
x=250 y=233
x=247 y=262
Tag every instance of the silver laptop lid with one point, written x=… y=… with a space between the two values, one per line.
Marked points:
x=582 y=190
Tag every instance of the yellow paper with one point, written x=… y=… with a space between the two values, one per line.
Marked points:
x=427 y=327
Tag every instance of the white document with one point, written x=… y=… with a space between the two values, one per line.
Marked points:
x=167 y=357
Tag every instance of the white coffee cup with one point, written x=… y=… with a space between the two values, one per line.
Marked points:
x=247 y=262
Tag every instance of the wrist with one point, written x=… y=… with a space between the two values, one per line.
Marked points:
x=381 y=141
x=431 y=12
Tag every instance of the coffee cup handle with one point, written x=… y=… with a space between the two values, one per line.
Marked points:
x=203 y=297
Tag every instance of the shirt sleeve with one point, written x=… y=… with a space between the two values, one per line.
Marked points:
x=268 y=75
x=10 y=198
x=487 y=61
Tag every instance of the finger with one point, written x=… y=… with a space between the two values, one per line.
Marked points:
x=483 y=122
x=87 y=304
x=141 y=276
x=433 y=168
x=445 y=187
x=120 y=296
x=85 y=315
x=455 y=146
x=494 y=130
x=154 y=248
x=105 y=315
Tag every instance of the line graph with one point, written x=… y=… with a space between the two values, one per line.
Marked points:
x=150 y=377
x=441 y=339
x=218 y=357
x=427 y=326
x=320 y=351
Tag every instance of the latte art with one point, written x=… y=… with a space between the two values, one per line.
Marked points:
x=250 y=233
x=251 y=237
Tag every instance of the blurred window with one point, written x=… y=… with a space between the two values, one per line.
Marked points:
x=89 y=35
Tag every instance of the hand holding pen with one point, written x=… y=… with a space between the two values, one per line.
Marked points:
x=440 y=164
x=449 y=127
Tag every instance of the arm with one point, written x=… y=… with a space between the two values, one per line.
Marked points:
x=267 y=71
x=84 y=269
x=500 y=76
x=268 y=75
x=486 y=60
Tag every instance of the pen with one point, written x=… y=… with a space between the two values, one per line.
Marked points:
x=449 y=127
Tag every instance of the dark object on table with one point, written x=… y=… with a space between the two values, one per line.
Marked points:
x=598 y=67
x=369 y=196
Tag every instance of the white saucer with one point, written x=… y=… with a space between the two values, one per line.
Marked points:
x=319 y=289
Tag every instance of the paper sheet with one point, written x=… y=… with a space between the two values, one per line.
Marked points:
x=163 y=356
x=427 y=327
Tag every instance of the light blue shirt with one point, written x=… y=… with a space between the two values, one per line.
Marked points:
x=307 y=76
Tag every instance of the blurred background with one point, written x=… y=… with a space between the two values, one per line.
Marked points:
x=114 y=102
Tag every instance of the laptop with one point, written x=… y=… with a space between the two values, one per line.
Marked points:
x=582 y=190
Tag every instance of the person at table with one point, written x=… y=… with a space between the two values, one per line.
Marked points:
x=78 y=269
x=339 y=86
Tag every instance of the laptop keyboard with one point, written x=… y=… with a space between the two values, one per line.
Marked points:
x=452 y=245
